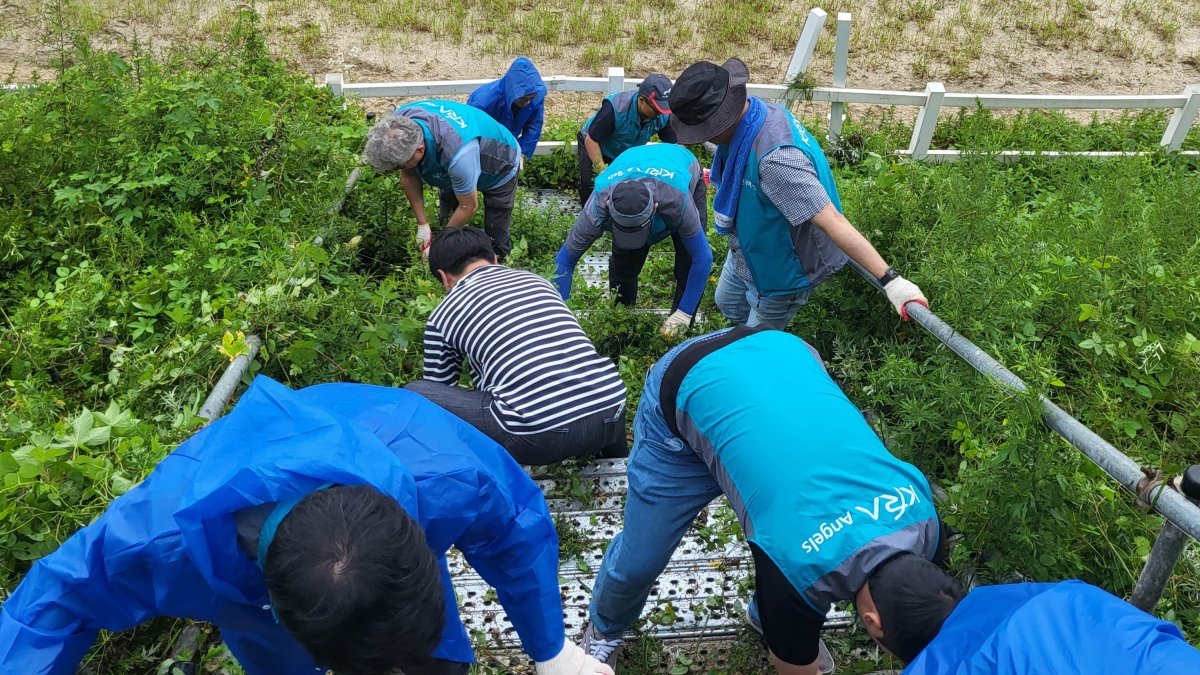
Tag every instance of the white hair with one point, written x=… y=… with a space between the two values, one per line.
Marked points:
x=392 y=142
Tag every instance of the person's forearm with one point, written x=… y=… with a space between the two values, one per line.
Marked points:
x=593 y=150
x=462 y=215
x=564 y=270
x=413 y=189
x=697 y=279
x=849 y=239
x=468 y=204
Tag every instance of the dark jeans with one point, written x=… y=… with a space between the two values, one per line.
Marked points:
x=587 y=171
x=497 y=214
x=600 y=433
x=625 y=265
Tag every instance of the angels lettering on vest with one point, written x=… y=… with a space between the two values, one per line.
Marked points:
x=894 y=502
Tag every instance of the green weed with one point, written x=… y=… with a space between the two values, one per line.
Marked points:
x=150 y=207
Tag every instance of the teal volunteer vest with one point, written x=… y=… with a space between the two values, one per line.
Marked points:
x=449 y=125
x=664 y=163
x=779 y=265
x=810 y=482
x=629 y=131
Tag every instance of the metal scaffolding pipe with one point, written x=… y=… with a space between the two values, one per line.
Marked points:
x=1159 y=566
x=219 y=397
x=351 y=181
x=1172 y=505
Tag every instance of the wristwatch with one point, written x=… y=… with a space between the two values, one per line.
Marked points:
x=888 y=276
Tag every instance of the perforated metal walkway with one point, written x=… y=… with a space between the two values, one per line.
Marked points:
x=700 y=597
x=702 y=593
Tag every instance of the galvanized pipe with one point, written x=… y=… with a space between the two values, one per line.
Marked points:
x=1173 y=506
x=219 y=397
x=1159 y=566
x=351 y=181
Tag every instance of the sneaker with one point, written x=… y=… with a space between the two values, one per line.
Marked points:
x=752 y=617
x=600 y=648
x=825 y=662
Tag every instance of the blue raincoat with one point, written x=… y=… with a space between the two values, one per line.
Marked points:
x=169 y=546
x=1068 y=628
x=496 y=99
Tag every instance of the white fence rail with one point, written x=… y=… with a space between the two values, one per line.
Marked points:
x=1185 y=105
x=935 y=98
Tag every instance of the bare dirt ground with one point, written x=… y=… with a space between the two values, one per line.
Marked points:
x=1009 y=46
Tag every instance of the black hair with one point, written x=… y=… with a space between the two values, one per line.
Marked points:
x=454 y=248
x=913 y=596
x=353 y=580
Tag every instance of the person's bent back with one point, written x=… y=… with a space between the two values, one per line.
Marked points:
x=541 y=389
x=311 y=527
x=1067 y=628
x=517 y=101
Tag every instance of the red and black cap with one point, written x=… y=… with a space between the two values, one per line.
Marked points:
x=656 y=89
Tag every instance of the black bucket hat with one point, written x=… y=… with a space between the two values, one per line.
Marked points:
x=631 y=208
x=707 y=99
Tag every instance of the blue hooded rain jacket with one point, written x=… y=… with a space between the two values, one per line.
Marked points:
x=169 y=546
x=1068 y=628
x=496 y=99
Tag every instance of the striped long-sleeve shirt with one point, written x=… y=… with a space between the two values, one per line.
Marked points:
x=524 y=347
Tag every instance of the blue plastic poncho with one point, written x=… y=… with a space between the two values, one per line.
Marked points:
x=169 y=546
x=496 y=99
x=1068 y=628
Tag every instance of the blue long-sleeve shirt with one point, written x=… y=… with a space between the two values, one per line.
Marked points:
x=1067 y=628
x=675 y=182
x=169 y=546
x=496 y=98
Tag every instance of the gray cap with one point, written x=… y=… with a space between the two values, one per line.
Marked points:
x=631 y=207
x=392 y=142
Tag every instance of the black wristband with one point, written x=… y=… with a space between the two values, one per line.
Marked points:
x=888 y=276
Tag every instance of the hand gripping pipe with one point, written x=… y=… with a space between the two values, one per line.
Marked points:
x=1173 y=506
x=1182 y=515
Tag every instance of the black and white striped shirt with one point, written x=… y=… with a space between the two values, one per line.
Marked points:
x=524 y=347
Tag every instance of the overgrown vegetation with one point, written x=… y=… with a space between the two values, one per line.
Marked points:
x=152 y=209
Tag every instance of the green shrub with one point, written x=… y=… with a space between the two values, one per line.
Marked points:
x=149 y=208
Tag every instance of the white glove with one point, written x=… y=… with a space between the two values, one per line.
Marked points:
x=424 y=235
x=900 y=292
x=678 y=320
x=571 y=661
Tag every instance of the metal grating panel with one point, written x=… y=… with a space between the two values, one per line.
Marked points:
x=556 y=202
x=701 y=595
x=594 y=270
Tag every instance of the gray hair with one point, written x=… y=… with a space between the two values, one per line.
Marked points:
x=392 y=142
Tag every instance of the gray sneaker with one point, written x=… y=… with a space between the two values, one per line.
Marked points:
x=602 y=649
x=825 y=662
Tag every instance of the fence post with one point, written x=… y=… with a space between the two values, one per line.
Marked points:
x=334 y=82
x=806 y=44
x=1181 y=121
x=841 y=53
x=926 y=120
x=616 y=80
